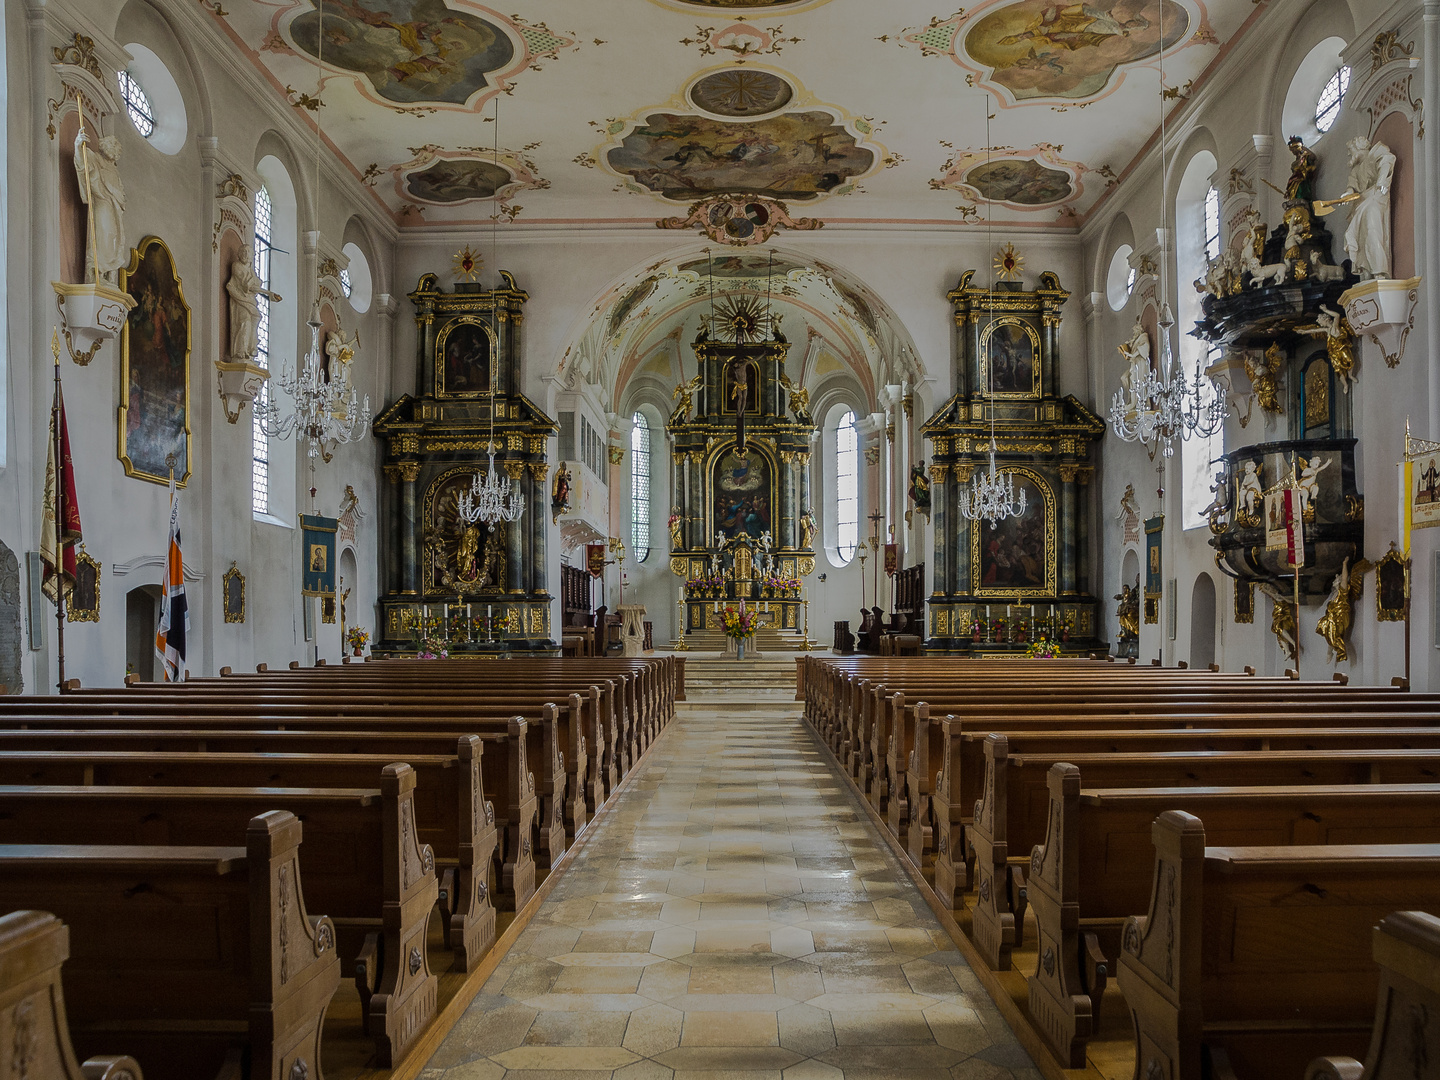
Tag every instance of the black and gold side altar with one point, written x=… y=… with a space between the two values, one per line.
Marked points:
x=468 y=360
x=997 y=587
x=742 y=526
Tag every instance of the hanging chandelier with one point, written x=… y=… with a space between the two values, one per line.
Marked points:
x=491 y=497
x=991 y=495
x=1161 y=407
x=326 y=411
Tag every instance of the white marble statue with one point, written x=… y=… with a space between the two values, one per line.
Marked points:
x=1367 y=237
x=98 y=171
x=1137 y=355
x=341 y=349
x=1250 y=496
x=1309 y=482
x=245 y=289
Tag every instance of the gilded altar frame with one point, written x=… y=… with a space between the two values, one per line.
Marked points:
x=492 y=349
x=128 y=348
x=84 y=602
x=1021 y=593
x=753 y=446
x=1392 y=586
x=986 y=357
x=1244 y=601
x=232 y=595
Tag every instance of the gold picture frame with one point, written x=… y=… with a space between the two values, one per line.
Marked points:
x=327 y=609
x=442 y=364
x=987 y=374
x=84 y=602
x=232 y=595
x=1049 y=524
x=1244 y=601
x=1392 y=586
x=154 y=370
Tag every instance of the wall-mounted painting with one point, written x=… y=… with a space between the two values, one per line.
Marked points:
x=84 y=603
x=1015 y=557
x=232 y=595
x=1011 y=348
x=155 y=368
x=742 y=494
x=465 y=364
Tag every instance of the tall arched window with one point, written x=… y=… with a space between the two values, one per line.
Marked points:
x=847 y=487
x=1197 y=224
x=640 y=486
x=260 y=442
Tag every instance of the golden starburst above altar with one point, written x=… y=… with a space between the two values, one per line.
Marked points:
x=467 y=264
x=744 y=318
x=1009 y=263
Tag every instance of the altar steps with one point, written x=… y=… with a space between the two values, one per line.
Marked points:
x=765 y=640
x=765 y=678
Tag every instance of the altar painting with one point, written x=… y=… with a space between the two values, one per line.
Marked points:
x=466 y=360
x=155 y=368
x=1016 y=556
x=742 y=495
x=1011 y=367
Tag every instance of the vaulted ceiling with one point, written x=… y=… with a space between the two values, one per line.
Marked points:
x=632 y=111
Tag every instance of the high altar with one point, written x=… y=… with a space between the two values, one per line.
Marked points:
x=997 y=587
x=471 y=586
x=743 y=527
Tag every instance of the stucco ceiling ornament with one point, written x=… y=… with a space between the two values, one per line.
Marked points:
x=739 y=220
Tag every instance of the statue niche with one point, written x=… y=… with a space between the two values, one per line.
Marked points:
x=460 y=557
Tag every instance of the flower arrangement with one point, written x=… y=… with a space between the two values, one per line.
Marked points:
x=432 y=649
x=1043 y=648
x=739 y=623
x=357 y=637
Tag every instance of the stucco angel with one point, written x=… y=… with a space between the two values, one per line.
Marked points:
x=1282 y=619
x=1334 y=625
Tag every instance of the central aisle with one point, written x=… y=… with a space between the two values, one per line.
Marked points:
x=733 y=916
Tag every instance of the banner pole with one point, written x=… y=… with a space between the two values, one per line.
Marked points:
x=59 y=524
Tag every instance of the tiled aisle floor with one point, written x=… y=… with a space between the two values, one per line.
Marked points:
x=735 y=917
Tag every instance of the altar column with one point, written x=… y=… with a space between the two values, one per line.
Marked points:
x=1082 y=555
x=514 y=537
x=408 y=472
x=804 y=460
x=786 y=537
x=1067 y=530
x=539 y=570
x=701 y=538
x=960 y=583
x=940 y=509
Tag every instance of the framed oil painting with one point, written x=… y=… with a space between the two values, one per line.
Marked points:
x=1244 y=601
x=84 y=603
x=1392 y=586
x=742 y=495
x=465 y=359
x=1015 y=557
x=155 y=368
x=1011 y=367
x=232 y=595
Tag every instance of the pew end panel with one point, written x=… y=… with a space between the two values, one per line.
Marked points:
x=472 y=918
x=993 y=915
x=33 y=1025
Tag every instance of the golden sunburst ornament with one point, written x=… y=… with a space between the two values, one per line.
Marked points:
x=1009 y=263
x=467 y=264
x=744 y=318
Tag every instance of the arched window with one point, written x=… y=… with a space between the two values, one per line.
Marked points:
x=640 y=486
x=1120 y=278
x=1197 y=224
x=260 y=442
x=1327 y=105
x=846 y=463
x=137 y=104
x=356 y=279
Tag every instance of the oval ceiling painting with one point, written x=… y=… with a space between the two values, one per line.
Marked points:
x=1038 y=48
x=800 y=155
x=456 y=181
x=741 y=92
x=411 y=51
x=1022 y=182
x=741 y=266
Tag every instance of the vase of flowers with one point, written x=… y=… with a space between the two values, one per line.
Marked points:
x=975 y=629
x=357 y=637
x=1043 y=648
x=739 y=626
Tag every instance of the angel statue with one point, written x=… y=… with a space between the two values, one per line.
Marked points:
x=1339 y=343
x=1282 y=619
x=1220 y=505
x=1264 y=377
x=684 y=392
x=1249 y=495
x=1309 y=482
x=1334 y=625
x=799 y=400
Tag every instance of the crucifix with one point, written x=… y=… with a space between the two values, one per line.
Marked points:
x=741 y=368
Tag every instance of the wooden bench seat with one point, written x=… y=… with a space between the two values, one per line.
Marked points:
x=363 y=865
x=1253 y=960
x=187 y=954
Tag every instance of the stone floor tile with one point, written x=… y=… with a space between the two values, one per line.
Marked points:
x=643 y=1070
x=653 y=1030
x=573 y=1058
x=805 y=1029
x=731 y=980
x=576 y=1029
x=729 y=1028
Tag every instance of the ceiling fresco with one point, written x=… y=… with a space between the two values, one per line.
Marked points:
x=676 y=111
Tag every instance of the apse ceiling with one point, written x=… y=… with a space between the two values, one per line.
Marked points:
x=802 y=112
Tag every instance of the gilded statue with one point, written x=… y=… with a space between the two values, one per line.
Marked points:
x=1265 y=377
x=685 y=392
x=1301 y=185
x=1339 y=343
x=1127 y=611
x=799 y=403
x=675 y=524
x=920 y=487
x=1282 y=619
x=466 y=556
x=560 y=493
x=807 y=529
x=493 y=570
x=1334 y=625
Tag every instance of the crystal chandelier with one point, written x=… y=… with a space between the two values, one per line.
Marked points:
x=1164 y=406
x=991 y=495
x=491 y=497
x=326 y=412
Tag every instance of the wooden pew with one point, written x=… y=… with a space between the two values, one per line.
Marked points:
x=1258 y=958
x=1404 y=1043
x=33 y=946
x=190 y=952
x=364 y=865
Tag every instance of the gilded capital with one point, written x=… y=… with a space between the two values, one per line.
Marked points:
x=937 y=473
x=539 y=469
x=964 y=473
x=513 y=469
x=1067 y=474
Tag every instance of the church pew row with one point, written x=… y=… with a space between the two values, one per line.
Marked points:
x=363 y=865
x=33 y=947
x=195 y=957
x=1406 y=948
x=1253 y=960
